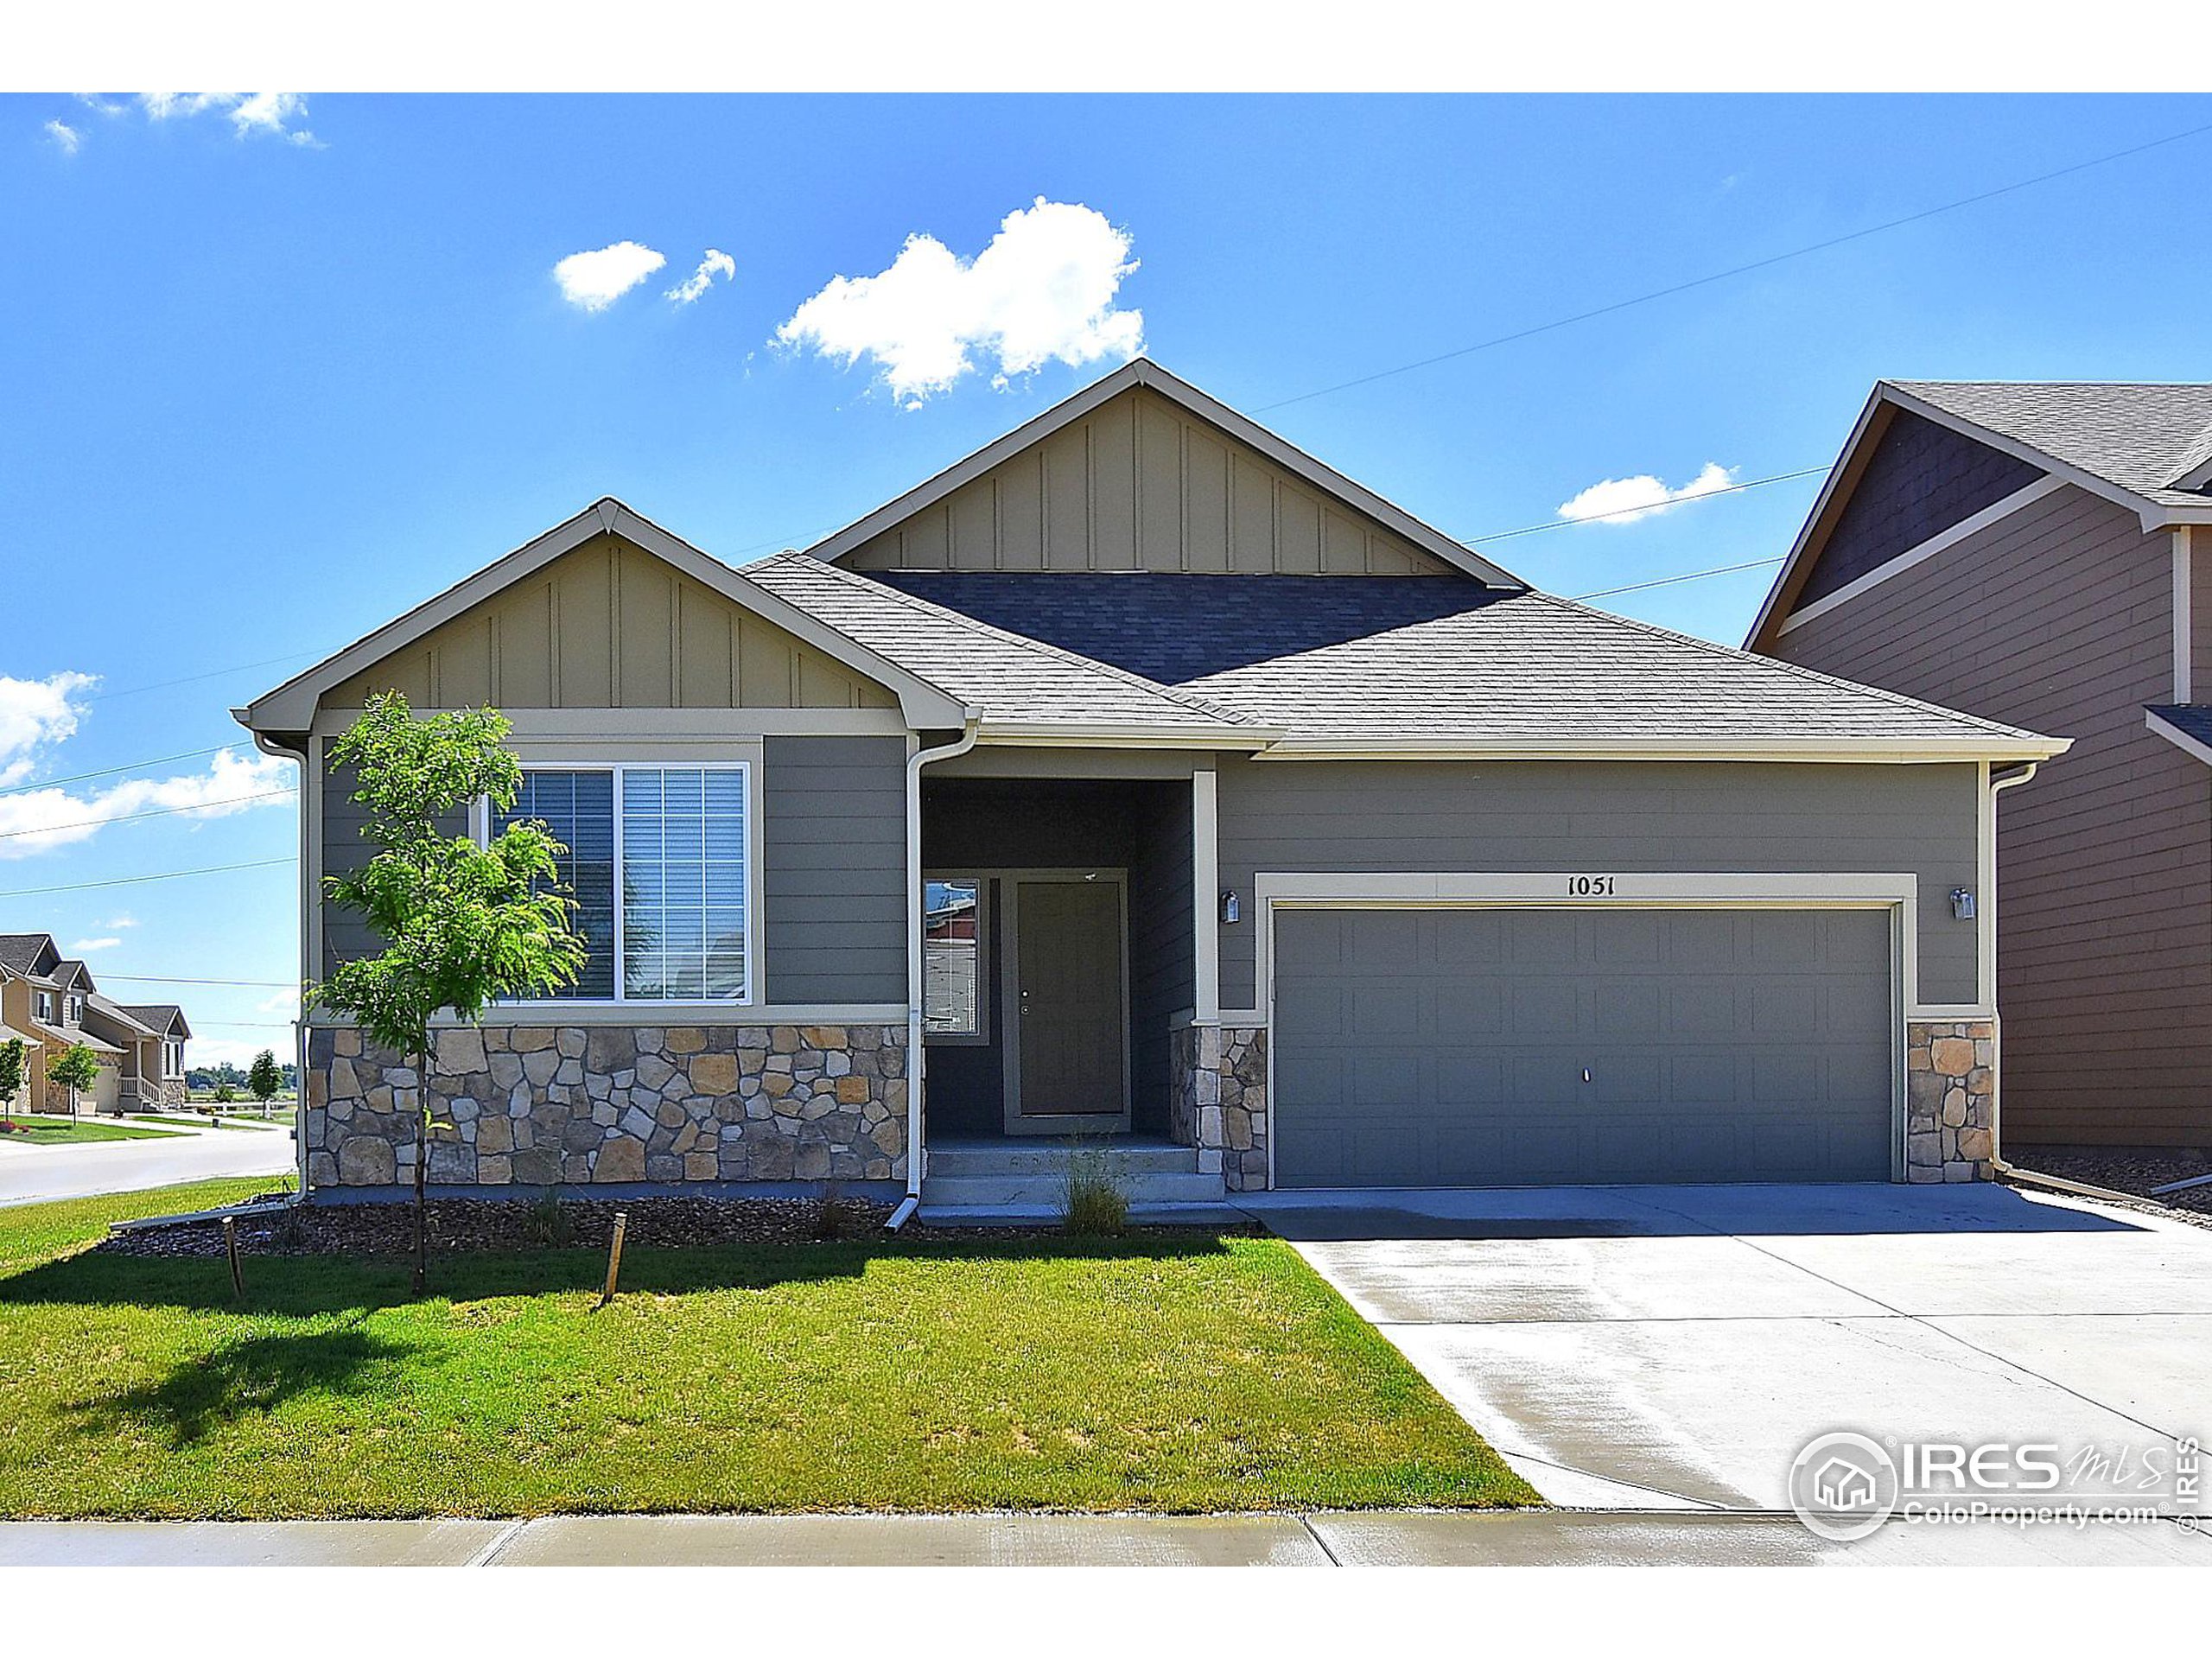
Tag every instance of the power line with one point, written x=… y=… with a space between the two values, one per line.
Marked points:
x=1660 y=506
x=158 y=812
x=160 y=979
x=1690 y=576
x=133 y=880
x=194 y=679
x=109 y=772
x=1737 y=270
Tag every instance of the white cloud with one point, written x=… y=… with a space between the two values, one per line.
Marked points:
x=250 y=114
x=38 y=820
x=35 y=714
x=66 y=137
x=1042 y=291
x=236 y=1051
x=716 y=264
x=284 y=1003
x=595 y=280
x=125 y=919
x=1624 y=500
x=86 y=947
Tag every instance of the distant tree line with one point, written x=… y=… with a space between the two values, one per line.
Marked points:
x=213 y=1076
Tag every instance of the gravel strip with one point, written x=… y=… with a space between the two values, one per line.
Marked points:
x=2130 y=1169
x=468 y=1225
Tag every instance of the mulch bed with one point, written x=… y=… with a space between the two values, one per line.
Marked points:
x=464 y=1225
x=2129 y=1169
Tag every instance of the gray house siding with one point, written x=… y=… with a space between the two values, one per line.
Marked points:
x=2059 y=619
x=1632 y=816
x=833 y=869
x=346 y=937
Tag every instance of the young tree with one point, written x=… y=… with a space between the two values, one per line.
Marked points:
x=264 y=1079
x=11 y=1078
x=463 y=926
x=75 y=1067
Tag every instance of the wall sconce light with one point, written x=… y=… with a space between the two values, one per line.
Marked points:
x=1962 y=904
x=1230 y=911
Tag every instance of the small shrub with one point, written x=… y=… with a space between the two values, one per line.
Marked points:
x=830 y=1212
x=1095 y=1205
x=547 y=1220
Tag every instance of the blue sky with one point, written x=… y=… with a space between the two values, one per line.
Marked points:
x=278 y=370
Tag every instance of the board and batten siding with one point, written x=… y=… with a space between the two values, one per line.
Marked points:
x=609 y=625
x=1140 y=484
x=2059 y=619
x=832 y=855
x=1618 y=817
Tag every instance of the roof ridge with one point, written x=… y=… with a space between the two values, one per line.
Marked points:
x=1038 y=647
x=1737 y=653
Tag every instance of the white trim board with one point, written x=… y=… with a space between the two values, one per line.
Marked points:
x=1897 y=564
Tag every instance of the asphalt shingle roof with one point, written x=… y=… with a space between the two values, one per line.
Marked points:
x=2142 y=437
x=1174 y=628
x=2191 y=719
x=1012 y=678
x=1531 y=668
x=156 y=1017
x=19 y=952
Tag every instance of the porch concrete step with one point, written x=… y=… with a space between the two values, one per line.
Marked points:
x=1050 y=1158
x=1045 y=1190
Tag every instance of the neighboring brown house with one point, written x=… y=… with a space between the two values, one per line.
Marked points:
x=52 y=1003
x=2034 y=554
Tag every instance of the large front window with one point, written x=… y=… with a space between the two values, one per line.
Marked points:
x=657 y=865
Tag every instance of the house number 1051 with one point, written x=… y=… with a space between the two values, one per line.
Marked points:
x=1590 y=886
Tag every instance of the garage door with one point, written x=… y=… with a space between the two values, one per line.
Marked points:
x=1518 y=1046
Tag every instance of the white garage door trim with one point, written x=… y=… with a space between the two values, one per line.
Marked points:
x=1897 y=893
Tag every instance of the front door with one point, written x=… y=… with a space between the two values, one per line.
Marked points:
x=1067 y=1061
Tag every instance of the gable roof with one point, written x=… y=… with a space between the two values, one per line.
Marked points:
x=1142 y=372
x=290 y=708
x=72 y=974
x=29 y=955
x=2147 y=446
x=1020 y=687
x=2145 y=440
x=119 y=1016
x=1536 y=675
x=164 y=1019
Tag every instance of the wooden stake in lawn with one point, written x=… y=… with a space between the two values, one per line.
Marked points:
x=230 y=1247
x=614 y=1257
x=464 y=926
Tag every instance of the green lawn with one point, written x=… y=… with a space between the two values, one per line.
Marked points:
x=1189 y=1373
x=65 y=1131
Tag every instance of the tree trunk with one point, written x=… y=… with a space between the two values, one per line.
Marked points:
x=421 y=1172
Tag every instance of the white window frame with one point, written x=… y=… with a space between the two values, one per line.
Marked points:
x=749 y=994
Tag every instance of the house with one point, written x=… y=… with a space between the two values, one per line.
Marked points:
x=2038 y=555
x=52 y=1004
x=1140 y=776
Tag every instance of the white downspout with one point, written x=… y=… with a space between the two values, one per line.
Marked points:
x=308 y=895
x=1997 y=786
x=915 y=1068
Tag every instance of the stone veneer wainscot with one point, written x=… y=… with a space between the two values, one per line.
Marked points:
x=1218 y=1100
x=538 y=1105
x=1950 y=1100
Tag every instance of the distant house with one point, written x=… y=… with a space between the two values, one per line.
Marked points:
x=2039 y=554
x=1141 y=776
x=52 y=1003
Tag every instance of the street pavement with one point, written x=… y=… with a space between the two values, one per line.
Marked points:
x=31 y=1173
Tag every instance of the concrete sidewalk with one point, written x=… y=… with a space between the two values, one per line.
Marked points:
x=1375 y=1538
x=36 y=1174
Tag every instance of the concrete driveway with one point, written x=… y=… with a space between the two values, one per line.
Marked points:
x=31 y=1173
x=1674 y=1347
